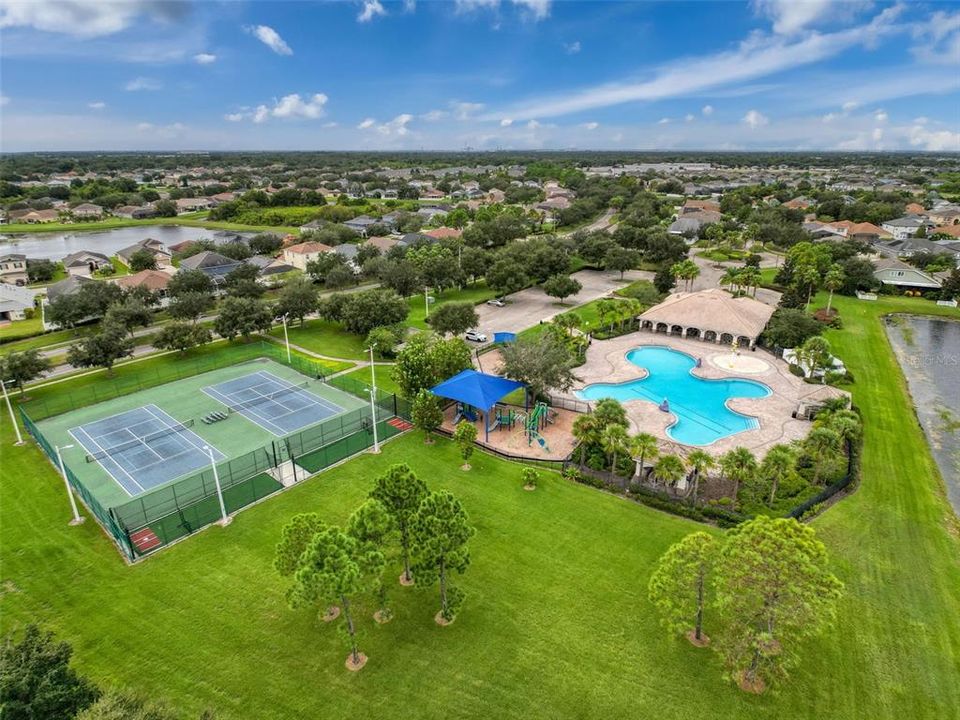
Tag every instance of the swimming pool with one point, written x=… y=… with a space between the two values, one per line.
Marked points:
x=699 y=405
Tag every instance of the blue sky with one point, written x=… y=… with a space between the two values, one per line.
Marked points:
x=485 y=74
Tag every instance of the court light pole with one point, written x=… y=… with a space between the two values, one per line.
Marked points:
x=13 y=418
x=286 y=338
x=373 y=412
x=77 y=517
x=224 y=518
x=373 y=374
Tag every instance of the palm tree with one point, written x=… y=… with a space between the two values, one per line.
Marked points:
x=614 y=439
x=833 y=280
x=585 y=431
x=809 y=275
x=731 y=278
x=700 y=461
x=813 y=354
x=780 y=461
x=740 y=466
x=567 y=321
x=821 y=443
x=750 y=277
x=642 y=447
x=669 y=470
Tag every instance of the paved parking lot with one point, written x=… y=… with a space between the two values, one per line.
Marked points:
x=528 y=307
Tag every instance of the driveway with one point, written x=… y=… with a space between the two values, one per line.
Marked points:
x=528 y=307
x=710 y=275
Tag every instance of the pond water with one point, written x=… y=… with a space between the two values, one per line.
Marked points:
x=54 y=246
x=699 y=405
x=928 y=350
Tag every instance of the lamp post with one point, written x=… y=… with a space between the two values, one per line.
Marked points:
x=286 y=338
x=13 y=418
x=77 y=517
x=373 y=374
x=224 y=518
x=373 y=413
x=426 y=302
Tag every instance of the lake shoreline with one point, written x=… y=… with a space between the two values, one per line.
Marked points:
x=928 y=353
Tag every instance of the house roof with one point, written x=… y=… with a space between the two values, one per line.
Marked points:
x=712 y=309
x=863 y=228
x=907 y=221
x=14 y=297
x=953 y=230
x=67 y=286
x=13 y=257
x=308 y=248
x=154 y=246
x=381 y=243
x=210 y=262
x=443 y=232
x=82 y=257
x=151 y=279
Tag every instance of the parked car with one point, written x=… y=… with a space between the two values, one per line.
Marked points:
x=496 y=302
x=474 y=336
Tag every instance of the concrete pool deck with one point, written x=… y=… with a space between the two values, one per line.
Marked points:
x=607 y=363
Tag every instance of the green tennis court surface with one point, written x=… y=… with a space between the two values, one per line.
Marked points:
x=301 y=402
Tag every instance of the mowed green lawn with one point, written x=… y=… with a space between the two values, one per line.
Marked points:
x=556 y=623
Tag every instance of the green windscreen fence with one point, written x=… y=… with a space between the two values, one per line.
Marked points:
x=149 y=521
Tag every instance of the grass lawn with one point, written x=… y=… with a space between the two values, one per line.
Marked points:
x=21 y=328
x=556 y=616
x=197 y=219
x=384 y=380
x=44 y=340
x=325 y=338
x=475 y=294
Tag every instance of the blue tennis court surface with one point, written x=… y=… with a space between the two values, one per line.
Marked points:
x=143 y=448
x=278 y=406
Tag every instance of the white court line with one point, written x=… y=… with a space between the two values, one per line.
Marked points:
x=108 y=456
x=184 y=435
x=304 y=392
x=140 y=440
x=214 y=393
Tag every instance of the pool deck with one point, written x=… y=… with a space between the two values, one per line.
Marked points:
x=607 y=363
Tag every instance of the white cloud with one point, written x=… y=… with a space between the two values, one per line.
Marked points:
x=533 y=125
x=880 y=116
x=174 y=130
x=921 y=120
x=234 y=117
x=434 y=115
x=934 y=140
x=142 y=83
x=572 y=48
x=830 y=117
x=663 y=121
x=506 y=122
x=707 y=110
x=757 y=56
x=534 y=9
x=84 y=18
x=465 y=110
x=688 y=117
x=144 y=126
x=590 y=125
x=204 y=58
x=753 y=119
x=261 y=114
x=409 y=6
x=877 y=134
x=397 y=126
x=938 y=39
x=293 y=106
x=849 y=106
x=370 y=10
x=97 y=105
x=271 y=38
x=331 y=124
x=367 y=123
x=791 y=16
x=4 y=100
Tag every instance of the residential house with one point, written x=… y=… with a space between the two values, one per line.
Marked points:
x=942 y=215
x=443 y=232
x=68 y=286
x=390 y=220
x=85 y=262
x=951 y=230
x=34 y=217
x=823 y=231
x=496 y=195
x=312 y=226
x=915 y=209
x=799 y=203
x=361 y=224
x=905 y=227
x=15 y=302
x=433 y=194
x=413 y=239
x=155 y=281
x=431 y=212
x=187 y=205
x=87 y=211
x=299 y=255
x=161 y=255
x=383 y=244
x=861 y=232
x=349 y=252
x=213 y=265
x=134 y=212
x=688 y=227
x=700 y=205
x=270 y=268
x=895 y=272
x=223 y=197
x=912 y=246
x=13 y=269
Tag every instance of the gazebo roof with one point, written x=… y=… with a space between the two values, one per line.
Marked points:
x=713 y=309
x=476 y=388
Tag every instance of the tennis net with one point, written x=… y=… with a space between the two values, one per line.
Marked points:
x=240 y=406
x=143 y=440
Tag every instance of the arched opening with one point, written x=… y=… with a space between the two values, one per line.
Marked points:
x=676 y=330
x=646 y=325
x=693 y=332
x=726 y=339
x=710 y=336
x=661 y=327
x=744 y=341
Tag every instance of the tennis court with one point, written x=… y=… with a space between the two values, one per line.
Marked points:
x=277 y=405
x=143 y=448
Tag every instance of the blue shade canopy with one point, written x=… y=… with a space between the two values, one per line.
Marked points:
x=476 y=388
x=504 y=337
